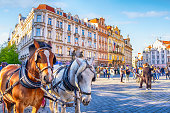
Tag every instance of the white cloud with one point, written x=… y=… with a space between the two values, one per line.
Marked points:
x=145 y=14
x=167 y=18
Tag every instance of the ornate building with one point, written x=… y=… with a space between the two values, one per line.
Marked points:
x=102 y=40
x=128 y=52
x=61 y=30
x=115 y=47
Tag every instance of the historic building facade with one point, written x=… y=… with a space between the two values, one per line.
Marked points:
x=116 y=46
x=66 y=33
x=62 y=31
x=157 y=54
x=128 y=52
x=101 y=41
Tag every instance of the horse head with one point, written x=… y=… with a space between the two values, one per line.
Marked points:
x=41 y=62
x=83 y=79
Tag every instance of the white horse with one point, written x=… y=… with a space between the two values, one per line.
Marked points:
x=73 y=83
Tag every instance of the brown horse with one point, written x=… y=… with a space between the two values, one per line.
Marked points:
x=29 y=79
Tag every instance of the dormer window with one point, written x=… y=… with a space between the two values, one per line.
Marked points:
x=61 y=13
x=38 y=18
x=58 y=12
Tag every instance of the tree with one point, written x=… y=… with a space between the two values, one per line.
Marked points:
x=8 y=53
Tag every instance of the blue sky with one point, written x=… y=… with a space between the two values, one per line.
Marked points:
x=143 y=20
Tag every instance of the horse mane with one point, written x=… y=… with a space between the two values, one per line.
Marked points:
x=41 y=44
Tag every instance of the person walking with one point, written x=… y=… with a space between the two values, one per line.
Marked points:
x=108 y=72
x=104 y=72
x=157 y=73
x=134 y=73
x=121 y=74
x=112 y=72
x=162 y=71
x=146 y=76
x=127 y=74
x=167 y=73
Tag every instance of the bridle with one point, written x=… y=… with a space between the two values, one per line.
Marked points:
x=35 y=60
x=88 y=66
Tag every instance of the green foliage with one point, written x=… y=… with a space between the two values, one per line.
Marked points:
x=8 y=53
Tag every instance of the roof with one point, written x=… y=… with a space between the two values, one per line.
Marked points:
x=149 y=46
x=166 y=42
x=168 y=47
x=44 y=6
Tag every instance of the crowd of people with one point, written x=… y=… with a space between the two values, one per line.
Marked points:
x=147 y=74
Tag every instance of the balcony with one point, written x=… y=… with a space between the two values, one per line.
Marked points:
x=89 y=38
x=59 y=29
x=83 y=36
x=39 y=23
x=49 y=26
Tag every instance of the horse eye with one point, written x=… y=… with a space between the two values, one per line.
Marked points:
x=81 y=77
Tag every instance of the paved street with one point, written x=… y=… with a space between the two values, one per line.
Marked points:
x=112 y=96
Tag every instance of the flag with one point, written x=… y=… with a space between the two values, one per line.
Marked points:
x=114 y=45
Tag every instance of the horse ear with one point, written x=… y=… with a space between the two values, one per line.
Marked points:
x=36 y=44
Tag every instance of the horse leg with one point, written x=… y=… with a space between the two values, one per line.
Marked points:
x=56 y=107
x=19 y=107
x=77 y=103
x=8 y=106
x=63 y=108
x=51 y=106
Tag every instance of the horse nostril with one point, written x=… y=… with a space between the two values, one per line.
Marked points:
x=45 y=78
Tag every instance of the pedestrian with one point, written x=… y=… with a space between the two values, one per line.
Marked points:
x=162 y=71
x=134 y=73
x=121 y=74
x=108 y=72
x=112 y=72
x=167 y=73
x=146 y=76
x=157 y=73
x=104 y=72
x=127 y=74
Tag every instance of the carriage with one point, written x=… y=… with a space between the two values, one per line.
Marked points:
x=25 y=85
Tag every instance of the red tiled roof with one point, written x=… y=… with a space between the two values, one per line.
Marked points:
x=168 y=47
x=166 y=42
x=44 y=6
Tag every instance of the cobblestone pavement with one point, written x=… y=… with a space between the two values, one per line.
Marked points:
x=111 y=96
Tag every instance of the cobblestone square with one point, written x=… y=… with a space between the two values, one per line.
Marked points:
x=111 y=96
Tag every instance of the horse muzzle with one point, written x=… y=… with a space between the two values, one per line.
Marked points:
x=47 y=79
x=86 y=100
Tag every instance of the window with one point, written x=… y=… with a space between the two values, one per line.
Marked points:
x=76 y=30
x=68 y=17
x=38 y=18
x=49 y=34
x=38 y=32
x=43 y=32
x=90 y=34
x=99 y=38
x=61 y=13
x=56 y=49
x=68 y=51
x=61 y=25
x=95 y=36
x=94 y=45
x=60 y=50
x=110 y=48
x=102 y=39
x=157 y=57
x=43 y=18
x=57 y=25
x=109 y=40
x=68 y=39
x=162 y=56
x=83 y=42
x=58 y=12
x=89 y=43
x=49 y=21
x=69 y=27
x=76 y=40
x=162 y=61
x=57 y=36
x=82 y=32
x=110 y=57
x=157 y=61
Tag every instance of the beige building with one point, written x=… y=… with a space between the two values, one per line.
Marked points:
x=61 y=30
x=128 y=52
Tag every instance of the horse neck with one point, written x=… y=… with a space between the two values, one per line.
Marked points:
x=32 y=69
x=73 y=69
